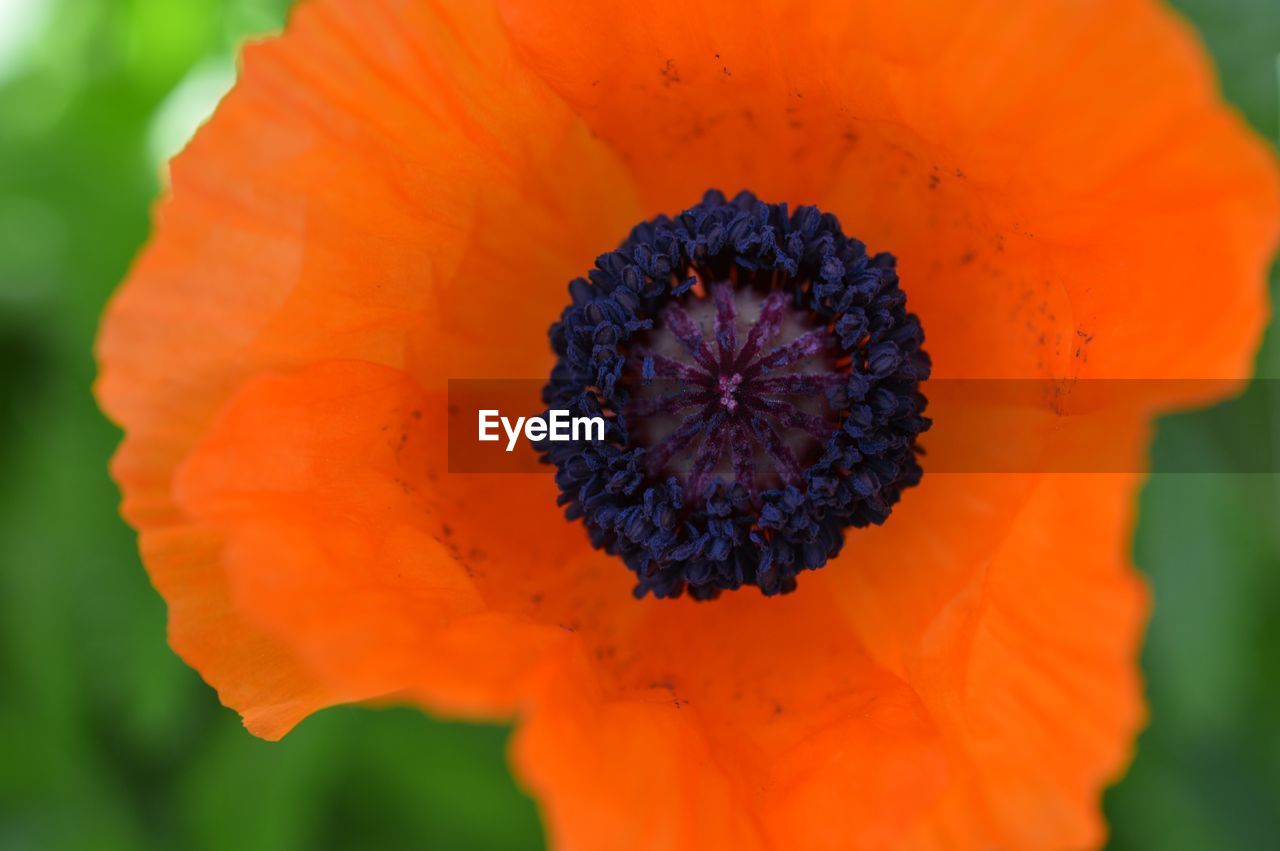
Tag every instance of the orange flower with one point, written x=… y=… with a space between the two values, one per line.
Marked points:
x=397 y=192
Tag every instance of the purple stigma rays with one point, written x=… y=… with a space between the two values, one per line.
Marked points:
x=733 y=385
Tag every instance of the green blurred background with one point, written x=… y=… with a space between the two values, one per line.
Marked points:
x=108 y=741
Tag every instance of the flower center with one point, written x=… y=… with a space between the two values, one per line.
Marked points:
x=760 y=377
x=733 y=385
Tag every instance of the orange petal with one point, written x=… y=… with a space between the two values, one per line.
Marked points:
x=1036 y=168
x=1042 y=711
x=313 y=481
x=1023 y=648
x=753 y=723
x=253 y=673
x=366 y=172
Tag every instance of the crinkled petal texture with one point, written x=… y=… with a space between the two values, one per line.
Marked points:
x=397 y=192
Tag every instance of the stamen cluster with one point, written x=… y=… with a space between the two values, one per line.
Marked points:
x=760 y=377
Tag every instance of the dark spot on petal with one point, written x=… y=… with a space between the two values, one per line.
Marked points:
x=670 y=74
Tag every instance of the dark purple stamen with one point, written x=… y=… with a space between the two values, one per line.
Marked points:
x=670 y=404
x=806 y=382
x=740 y=455
x=664 y=367
x=783 y=457
x=797 y=350
x=726 y=322
x=765 y=328
x=792 y=417
x=678 y=439
x=689 y=335
x=760 y=378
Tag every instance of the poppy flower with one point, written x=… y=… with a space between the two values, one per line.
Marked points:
x=398 y=193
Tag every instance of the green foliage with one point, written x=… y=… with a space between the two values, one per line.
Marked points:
x=1207 y=773
x=107 y=741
